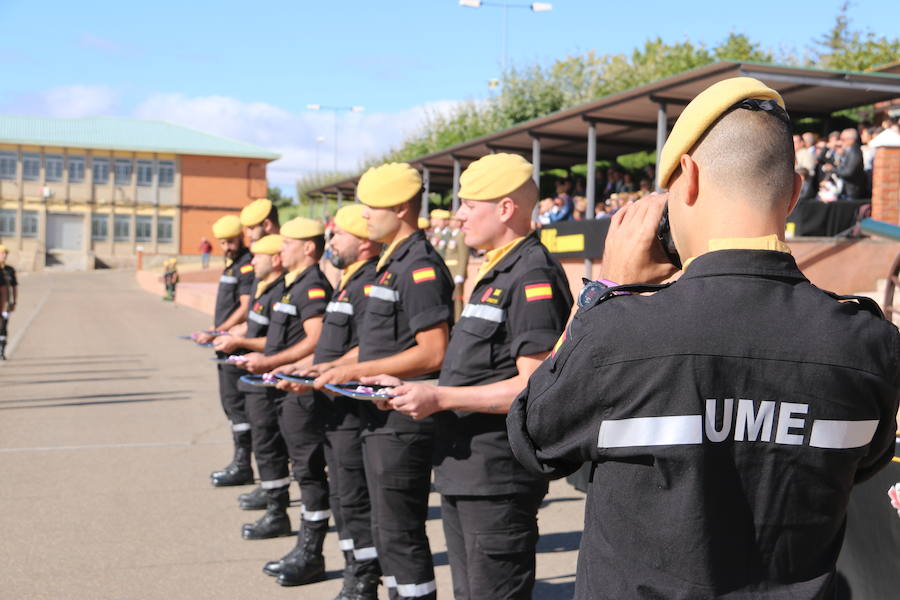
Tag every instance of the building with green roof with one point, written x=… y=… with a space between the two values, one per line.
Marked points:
x=96 y=190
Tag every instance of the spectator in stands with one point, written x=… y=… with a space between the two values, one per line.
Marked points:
x=601 y=210
x=804 y=159
x=563 y=205
x=868 y=151
x=205 y=250
x=645 y=187
x=544 y=208
x=628 y=185
x=849 y=166
x=809 y=190
x=580 y=208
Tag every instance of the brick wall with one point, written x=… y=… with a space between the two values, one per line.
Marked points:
x=212 y=187
x=886 y=186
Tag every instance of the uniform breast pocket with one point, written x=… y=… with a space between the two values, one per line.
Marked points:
x=477 y=351
x=382 y=316
x=340 y=322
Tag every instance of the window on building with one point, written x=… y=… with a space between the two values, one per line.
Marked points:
x=101 y=171
x=99 y=227
x=7 y=222
x=143 y=228
x=123 y=171
x=29 y=223
x=76 y=169
x=164 y=229
x=8 y=162
x=53 y=167
x=122 y=228
x=166 y=173
x=31 y=167
x=145 y=172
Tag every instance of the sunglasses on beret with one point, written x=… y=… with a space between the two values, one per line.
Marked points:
x=769 y=106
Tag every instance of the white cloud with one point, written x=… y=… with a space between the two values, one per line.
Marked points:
x=67 y=101
x=293 y=135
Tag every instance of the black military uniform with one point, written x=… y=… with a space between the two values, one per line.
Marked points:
x=728 y=417
x=489 y=501
x=8 y=280
x=413 y=291
x=343 y=445
x=301 y=423
x=236 y=281
x=268 y=445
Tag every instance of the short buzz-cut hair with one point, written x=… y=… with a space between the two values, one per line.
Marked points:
x=749 y=150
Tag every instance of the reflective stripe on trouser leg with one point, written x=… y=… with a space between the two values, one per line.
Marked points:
x=315 y=515
x=239 y=427
x=398 y=469
x=349 y=493
x=268 y=445
x=275 y=483
x=303 y=429
x=345 y=545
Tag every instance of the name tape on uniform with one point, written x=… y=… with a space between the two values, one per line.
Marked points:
x=341 y=307
x=383 y=293
x=258 y=318
x=747 y=423
x=228 y=279
x=283 y=307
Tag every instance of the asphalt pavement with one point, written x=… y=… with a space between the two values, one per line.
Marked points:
x=109 y=427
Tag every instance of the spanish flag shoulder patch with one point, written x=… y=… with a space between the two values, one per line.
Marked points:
x=538 y=291
x=315 y=293
x=247 y=269
x=367 y=289
x=424 y=274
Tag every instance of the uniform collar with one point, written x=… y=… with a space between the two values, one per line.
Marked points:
x=398 y=248
x=766 y=242
x=262 y=286
x=495 y=260
x=350 y=271
x=297 y=275
x=766 y=263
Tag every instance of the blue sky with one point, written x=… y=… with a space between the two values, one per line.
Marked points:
x=248 y=70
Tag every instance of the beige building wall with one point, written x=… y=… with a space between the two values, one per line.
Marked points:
x=51 y=191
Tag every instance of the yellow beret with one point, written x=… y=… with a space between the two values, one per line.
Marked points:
x=702 y=112
x=226 y=227
x=256 y=212
x=350 y=219
x=424 y=223
x=3 y=248
x=300 y=228
x=494 y=176
x=270 y=244
x=390 y=184
x=440 y=213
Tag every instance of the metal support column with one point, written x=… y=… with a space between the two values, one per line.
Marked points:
x=324 y=207
x=536 y=160
x=661 y=126
x=340 y=199
x=591 y=186
x=426 y=189
x=456 y=173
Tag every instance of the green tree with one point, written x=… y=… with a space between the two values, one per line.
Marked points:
x=279 y=199
x=843 y=49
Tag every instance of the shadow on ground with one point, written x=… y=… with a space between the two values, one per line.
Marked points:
x=155 y=398
x=559 y=542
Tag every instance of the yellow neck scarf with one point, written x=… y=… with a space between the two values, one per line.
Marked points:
x=348 y=273
x=766 y=242
x=493 y=258
x=387 y=253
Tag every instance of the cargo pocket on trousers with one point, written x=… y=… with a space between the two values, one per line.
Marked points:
x=500 y=543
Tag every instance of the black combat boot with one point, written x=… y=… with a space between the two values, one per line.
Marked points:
x=309 y=564
x=253 y=500
x=274 y=567
x=238 y=472
x=275 y=523
x=364 y=587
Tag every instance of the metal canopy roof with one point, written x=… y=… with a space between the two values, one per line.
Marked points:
x=627 y=121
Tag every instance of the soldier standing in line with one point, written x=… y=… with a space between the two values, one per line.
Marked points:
x=232 y=304
x=353 y=252
x=456 y=257
x=294 y=330
x=518 y=309
x=404 y=333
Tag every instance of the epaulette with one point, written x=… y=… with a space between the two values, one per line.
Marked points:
x=864 y=302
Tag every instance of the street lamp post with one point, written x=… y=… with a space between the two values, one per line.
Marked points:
x=335 y=110
x=533 y=7
x=319 y=140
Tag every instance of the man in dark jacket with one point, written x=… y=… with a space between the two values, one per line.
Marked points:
x=728 y=415
x=850 y=167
